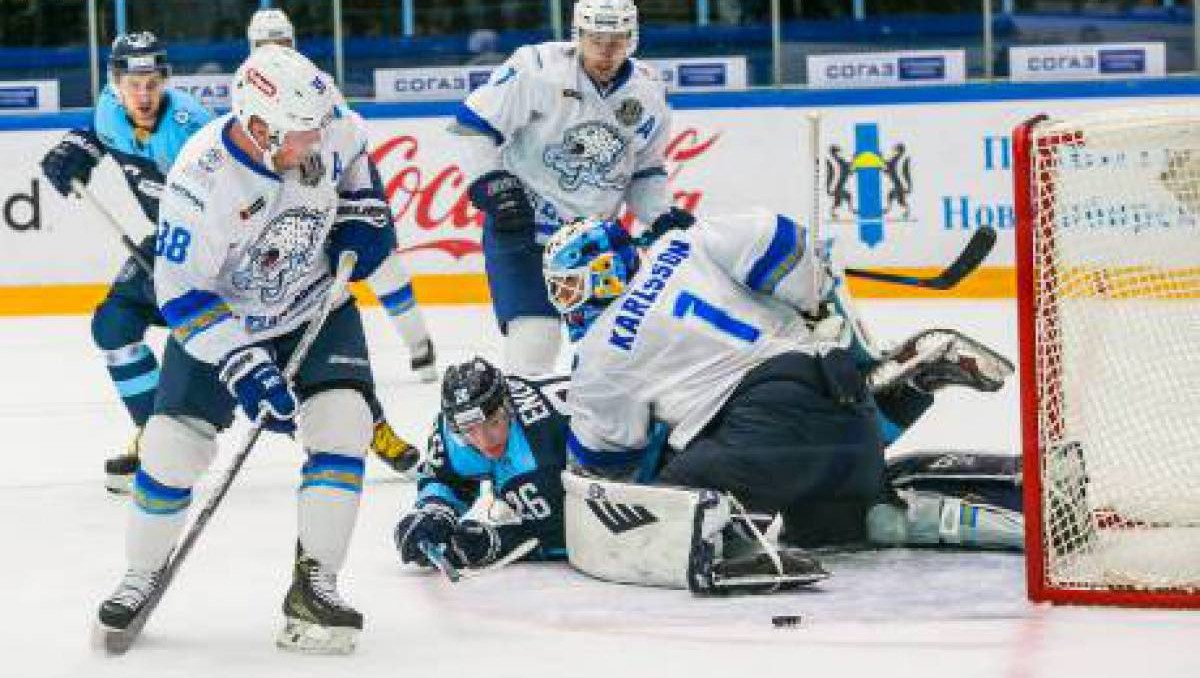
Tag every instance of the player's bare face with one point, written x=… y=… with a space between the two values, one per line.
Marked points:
x=297 y=146
x=603 y=54
x=141 y=95
x=489 y=436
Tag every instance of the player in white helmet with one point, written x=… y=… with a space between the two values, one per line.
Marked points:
x=392 y=283
x=259 y=204
x=562 y=130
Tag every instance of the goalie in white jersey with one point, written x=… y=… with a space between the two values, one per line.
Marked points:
x=257 y=206
x=710 y=339
x=562 y=130
x=720 y=333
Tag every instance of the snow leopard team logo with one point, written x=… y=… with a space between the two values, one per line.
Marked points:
x=286 y=250
x=589 y=154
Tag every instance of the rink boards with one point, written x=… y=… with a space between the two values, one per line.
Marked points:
x=906 y=176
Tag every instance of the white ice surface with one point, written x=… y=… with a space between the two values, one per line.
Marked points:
x=883 y=614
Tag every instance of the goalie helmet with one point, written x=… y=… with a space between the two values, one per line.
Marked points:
x=588 y=264
x=471 y=393
x=284 y=90
x=137 y=53
x=606 y=16
x=270 y=25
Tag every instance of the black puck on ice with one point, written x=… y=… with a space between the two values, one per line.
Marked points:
x=785 y=621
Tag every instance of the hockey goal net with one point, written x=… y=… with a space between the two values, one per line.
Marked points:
x=1108 y=267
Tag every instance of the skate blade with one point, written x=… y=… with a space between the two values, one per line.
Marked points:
x=110 y=641
x=118 y=484
x=308 y=638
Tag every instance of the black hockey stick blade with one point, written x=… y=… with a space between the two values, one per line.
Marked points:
x=976 y=250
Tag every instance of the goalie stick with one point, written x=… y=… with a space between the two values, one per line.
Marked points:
x=437 y=557
x=973 y=254
x=119 y=641
x=86 y=195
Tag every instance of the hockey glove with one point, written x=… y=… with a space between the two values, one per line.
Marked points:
x=364 y=226
x=434 y=522
x=73 y=158
x=258 y=385
x=474 y=544
x=501 y=196
x=673 y=219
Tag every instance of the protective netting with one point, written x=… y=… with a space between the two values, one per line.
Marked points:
x=1116 y=267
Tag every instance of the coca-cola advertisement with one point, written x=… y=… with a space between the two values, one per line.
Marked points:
x=439 y=227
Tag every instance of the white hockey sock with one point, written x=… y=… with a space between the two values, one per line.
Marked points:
x=174 y=454
x=392 y=283
x=328 y=506
x=531 y=345
x=156 y=517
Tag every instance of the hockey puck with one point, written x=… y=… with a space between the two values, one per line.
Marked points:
x=785 y=621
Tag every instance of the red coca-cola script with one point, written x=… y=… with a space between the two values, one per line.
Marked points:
x=434 y=199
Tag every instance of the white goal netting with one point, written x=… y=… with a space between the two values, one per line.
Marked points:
x=1116 y=324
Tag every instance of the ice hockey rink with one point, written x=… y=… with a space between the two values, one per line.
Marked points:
x=883 y=613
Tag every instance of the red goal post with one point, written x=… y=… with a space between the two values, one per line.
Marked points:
x=1108 y=285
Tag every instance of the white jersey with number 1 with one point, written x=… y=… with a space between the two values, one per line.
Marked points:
x=707 y=305
x=241 y=250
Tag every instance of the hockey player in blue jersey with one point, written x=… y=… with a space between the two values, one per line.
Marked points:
x=712 y=332
x=506 y=430
x=141 y=124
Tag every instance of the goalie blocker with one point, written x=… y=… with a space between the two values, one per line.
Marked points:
x=681 y=538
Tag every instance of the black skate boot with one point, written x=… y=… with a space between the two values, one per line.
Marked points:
x=935 y=359
x=424 y=362
x=119 y=470
x=393 y=450
x=118 y=610
x=316 y=618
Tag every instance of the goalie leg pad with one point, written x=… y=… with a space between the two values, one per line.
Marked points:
x=641 y=534
x=932 y=519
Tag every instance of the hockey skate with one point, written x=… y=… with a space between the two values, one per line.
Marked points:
x=394 y=451
x=316 y=619
x=937 y=358
x=424 y=362
x=119 y=470
x=117 y=623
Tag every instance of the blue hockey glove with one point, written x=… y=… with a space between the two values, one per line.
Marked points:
x=673 y=219
x=501 y=196
x=473 y=544
x=434 y=522
x=364 y=226
x=72 y=158
x=255 y=380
